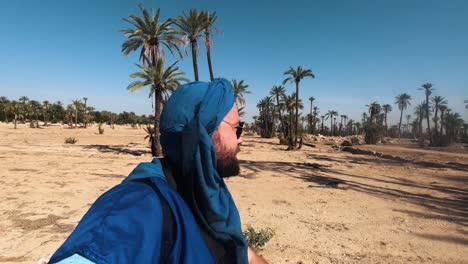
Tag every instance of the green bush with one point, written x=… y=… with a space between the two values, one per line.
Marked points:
x=70 y=140
x=258 y=239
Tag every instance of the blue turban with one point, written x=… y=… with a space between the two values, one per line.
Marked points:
x=189 y=119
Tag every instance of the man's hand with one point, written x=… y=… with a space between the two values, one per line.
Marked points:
x=254 y=258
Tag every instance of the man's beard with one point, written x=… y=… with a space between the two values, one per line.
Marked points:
x=229 y=166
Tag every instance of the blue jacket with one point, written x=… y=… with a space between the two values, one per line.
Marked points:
x=124 y=225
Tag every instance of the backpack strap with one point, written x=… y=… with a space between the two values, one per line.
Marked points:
x=168 y=227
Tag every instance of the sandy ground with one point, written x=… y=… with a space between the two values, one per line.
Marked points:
x=382 y=211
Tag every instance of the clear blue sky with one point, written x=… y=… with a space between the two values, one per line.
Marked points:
x=360 y=51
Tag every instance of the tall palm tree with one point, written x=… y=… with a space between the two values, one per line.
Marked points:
x=323 y=118
x=374 y=110
x=427 y=88
x=403 y=101
x=408 y=118
x=239 y=89
x=386 y=109
x=150 y=36
x=295 y=76
x=442 y=109
x=278 y=92
x=289 y=102
x=265 y=107
x=85 y=99
x=46 y=109
x=192 y=25
x=4 y=105
x=420 y=112
x=208 y=27
x=311 y=117
x=437 y=101
x=331 y=114
x=161 y=83
x=314 y=118
x=77 y=107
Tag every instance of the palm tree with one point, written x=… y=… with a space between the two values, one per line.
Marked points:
x=311 y=117
x=442 y=109
x=289 y=102
x=239 y=89
x=374 y=110
x=35 y=109
x=321 y=129
x=427 y=88
x=314 y=118
x=296 y=75
x=403 y=101
x=151 y=36
x=23 y=100
x=408 y=117
x=278 y=92
x=453 y=124
x=161 y=82
x=77 y=107
x=266 y=117
x=420 y=112
x=438 y=101
x=331 y=114
x=46 y=108
x=4 y=105
x=386 y=109
x=85 y=99
x=208 y=26
x=16 y=109
x=192 y=25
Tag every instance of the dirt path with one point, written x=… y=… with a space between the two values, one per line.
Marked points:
x=381 y=211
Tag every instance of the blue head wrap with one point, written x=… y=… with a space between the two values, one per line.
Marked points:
x=189 y=119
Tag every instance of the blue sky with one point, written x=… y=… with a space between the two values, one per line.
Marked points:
x=360 y=51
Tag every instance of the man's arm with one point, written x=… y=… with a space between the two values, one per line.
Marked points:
x=254 y=258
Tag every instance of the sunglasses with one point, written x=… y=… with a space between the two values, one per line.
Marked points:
x=238 y=128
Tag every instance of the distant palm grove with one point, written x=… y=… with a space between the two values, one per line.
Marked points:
x=430 y=121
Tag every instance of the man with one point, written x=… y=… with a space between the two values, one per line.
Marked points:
x=177 y=209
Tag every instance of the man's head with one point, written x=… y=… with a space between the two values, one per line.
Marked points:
x=227 y=142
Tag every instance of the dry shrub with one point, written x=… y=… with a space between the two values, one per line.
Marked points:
x=70 y=140
x=258 y=239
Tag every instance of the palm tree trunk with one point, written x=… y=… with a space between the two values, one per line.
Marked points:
x=280 y=117
x=297 y=114
x=331 y=126
x=16 y=117
x=208 y=54
x=37 y=121
x=194 y=58
x=441 y=122
x=386 y=127
x=436 y=125
x=76 y=118
x=6 y=116
x=399 y=126
x=427 y=118
x=157 y=117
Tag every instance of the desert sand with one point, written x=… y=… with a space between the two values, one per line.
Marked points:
x=325 y=205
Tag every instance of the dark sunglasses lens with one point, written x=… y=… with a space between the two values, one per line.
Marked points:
x=239 y=129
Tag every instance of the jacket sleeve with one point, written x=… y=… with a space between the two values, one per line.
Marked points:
x=124 y=225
